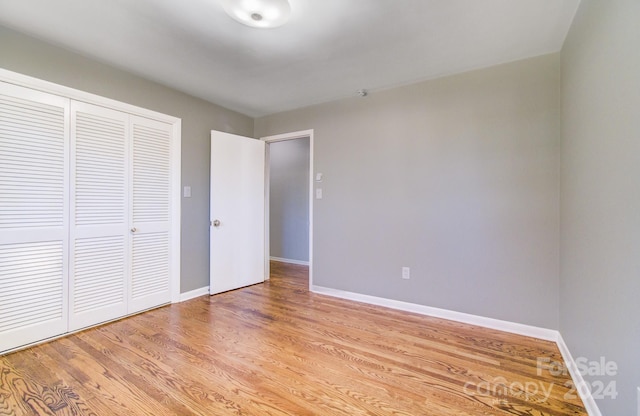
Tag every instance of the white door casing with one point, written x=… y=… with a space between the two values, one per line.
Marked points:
x=278 y=138
x=237 y=208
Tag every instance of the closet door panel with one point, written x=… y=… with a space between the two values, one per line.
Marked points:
x=34 y=194
x=150 y=213
x=99 y=215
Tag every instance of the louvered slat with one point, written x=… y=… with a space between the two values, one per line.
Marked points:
x=150 y=264
x=99 y=273
x=100 y=170
x=151 y=173
x=31 y=288
x=32 y=159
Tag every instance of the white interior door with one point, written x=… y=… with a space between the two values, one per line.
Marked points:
x=34 y=207
x=237 y=232
x=150 y=214
x=99 y=233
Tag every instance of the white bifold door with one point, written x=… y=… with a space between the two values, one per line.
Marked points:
x=150 y=214
x=34 y=217
x=237 y=232
x=85 y=215
x=121 y=184
x=99 y=230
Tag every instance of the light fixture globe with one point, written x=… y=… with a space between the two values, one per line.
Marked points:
x=258 y=13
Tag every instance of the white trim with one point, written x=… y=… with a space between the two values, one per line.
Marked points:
x=582 y=387
x=194 y=294
x=531 y=331
x=74 y=94
x=288 y=136
x=267 y=211
x=176 y=210
x=290 y=261
x=78 y=95
x=291 y=136
x=512 y=327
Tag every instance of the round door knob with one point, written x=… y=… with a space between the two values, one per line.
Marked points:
x=134 y=229
x=216 y=223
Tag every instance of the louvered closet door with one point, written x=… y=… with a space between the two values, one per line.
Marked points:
x=150 y=213
x=33 y=215
x=99 y=216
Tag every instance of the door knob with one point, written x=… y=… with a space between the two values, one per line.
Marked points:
x=216 y=223
x=134 y=229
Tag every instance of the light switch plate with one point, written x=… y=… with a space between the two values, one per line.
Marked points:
x=406 y=273
x=187 y=192
x=319 y=193
x=318 y=177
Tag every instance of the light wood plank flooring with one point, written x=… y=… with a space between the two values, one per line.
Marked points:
x=276 y=349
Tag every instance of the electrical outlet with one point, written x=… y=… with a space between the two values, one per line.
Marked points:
x=406 y=273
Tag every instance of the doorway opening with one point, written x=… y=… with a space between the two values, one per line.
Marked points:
x=289 y=199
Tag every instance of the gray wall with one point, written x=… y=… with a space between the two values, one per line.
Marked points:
x=32 y=57
x=457 y=178
x=289 y=199
x=600 y=269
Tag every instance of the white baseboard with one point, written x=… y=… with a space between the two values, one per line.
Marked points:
x=512 y=327
x=290 y=261
x=527 y=330
x=581 y=385
x=194 y=293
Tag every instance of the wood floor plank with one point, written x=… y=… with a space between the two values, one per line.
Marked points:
x=277 y=349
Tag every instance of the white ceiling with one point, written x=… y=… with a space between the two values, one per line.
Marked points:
x=328 y=50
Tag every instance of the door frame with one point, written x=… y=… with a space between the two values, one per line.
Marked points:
x=280 y=138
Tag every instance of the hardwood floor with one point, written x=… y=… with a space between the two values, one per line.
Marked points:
x=276 y=349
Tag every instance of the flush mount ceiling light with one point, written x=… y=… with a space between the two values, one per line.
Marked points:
x=258 y=13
